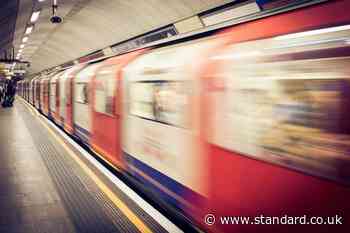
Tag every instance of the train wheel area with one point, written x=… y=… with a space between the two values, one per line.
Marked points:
x=50 y=184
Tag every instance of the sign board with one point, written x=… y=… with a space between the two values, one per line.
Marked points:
x=144 y=39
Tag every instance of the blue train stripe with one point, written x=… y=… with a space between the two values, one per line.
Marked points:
x=170 y=184
x=82 y=133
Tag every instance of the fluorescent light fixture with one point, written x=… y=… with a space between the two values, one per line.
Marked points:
x=313 y=32
x=21 y=46
x=29 y=30
x=20 y=51
x=35 y=16
x=25 y=39
x=41 y=0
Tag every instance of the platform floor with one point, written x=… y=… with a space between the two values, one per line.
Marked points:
x=46 y=186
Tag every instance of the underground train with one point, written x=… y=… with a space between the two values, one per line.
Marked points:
x=250 y=121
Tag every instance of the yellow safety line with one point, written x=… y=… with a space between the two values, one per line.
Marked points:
x=119 y=203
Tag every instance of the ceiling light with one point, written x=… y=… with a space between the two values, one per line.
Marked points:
x=29 y=30
x=25 y=39
x=20 y=51
x=35 y=16
x=21 y=46
x=41 y=0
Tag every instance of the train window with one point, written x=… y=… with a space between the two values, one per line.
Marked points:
x=105 y=90
x=81 y=93
x=287 y=104
x=141 y=100
x=161 y=101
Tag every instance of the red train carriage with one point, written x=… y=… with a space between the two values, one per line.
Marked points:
x=278 y=141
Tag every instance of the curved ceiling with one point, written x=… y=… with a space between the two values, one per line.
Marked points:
x=90 y=25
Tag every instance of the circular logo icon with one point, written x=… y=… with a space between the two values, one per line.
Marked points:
x=209 y=219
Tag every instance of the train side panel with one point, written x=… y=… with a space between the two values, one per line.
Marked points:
x=161 y=144
x=278 y=138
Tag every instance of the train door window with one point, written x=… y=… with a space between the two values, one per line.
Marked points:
x=141 y=100
x=162 y=101
x=81 y=93
x=105 y=90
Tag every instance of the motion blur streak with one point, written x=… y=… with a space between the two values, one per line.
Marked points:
x=253 y=120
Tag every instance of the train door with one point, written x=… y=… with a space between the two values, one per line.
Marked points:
x=105 y=138
x=42 y=90
x=62 y=98
x=46 y=96
x=37 y=93
x=81 y=103
x=107 y=108
x=68 y=114
x=30 y=92
x=68 y=120
x=54 y=99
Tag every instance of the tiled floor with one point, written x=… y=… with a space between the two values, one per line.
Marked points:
x=29 y=201
x=44 y=189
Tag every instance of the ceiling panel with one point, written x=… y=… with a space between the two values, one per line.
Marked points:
x=90 y=25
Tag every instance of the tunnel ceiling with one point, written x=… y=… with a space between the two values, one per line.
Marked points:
x=89 y=25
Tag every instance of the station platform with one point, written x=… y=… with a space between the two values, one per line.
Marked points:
x=48 y=184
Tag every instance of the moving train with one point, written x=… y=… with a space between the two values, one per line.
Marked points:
x=253 y=120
